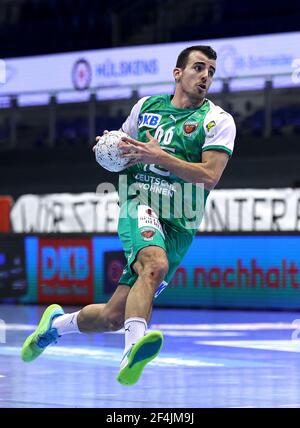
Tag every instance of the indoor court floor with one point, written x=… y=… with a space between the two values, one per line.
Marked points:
x=210 y=359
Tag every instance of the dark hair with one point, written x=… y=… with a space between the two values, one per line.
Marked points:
x=183 y=57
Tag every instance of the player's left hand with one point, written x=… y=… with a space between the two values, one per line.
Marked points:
x=137 y=151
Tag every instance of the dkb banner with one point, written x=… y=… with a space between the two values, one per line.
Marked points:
x=219 y=270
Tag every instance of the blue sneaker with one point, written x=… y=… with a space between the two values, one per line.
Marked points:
x=43 y=336
x=140 y=354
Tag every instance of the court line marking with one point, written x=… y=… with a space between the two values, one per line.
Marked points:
x=175 y=333
x=20 y=327
x=187 y=333
x=229 y=326
x=266 y=345
x=188 y=327
x=112 y=355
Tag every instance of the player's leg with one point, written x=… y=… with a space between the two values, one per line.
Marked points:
x=105 y=317
x=151 y=267
x=143 y=242
x=92 y=318
x=147 y=347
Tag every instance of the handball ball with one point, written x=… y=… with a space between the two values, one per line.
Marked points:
x=107 y=151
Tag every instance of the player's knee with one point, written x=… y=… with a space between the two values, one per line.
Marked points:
x=156 y=270
x=152 y=264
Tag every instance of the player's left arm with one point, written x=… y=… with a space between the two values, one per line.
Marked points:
x=218 y=146
x=208 y=172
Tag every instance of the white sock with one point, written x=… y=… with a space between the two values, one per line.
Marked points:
x=134 y=329
x=66 y=323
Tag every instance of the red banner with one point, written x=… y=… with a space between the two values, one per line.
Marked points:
x=5 y=207
x=65 y=271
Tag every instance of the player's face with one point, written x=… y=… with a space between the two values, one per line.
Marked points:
x=196 y=78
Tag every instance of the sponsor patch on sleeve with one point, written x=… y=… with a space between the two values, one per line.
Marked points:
x=210 y=125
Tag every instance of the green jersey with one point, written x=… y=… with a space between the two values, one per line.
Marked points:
x=185 y=134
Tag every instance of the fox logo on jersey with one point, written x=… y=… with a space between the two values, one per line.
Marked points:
x=148 y=234
x=149 y=120
x=189 y=127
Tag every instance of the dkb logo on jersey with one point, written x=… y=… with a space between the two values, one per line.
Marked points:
x=149 y=120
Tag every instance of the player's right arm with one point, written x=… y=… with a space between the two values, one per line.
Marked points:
x=131 y=124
